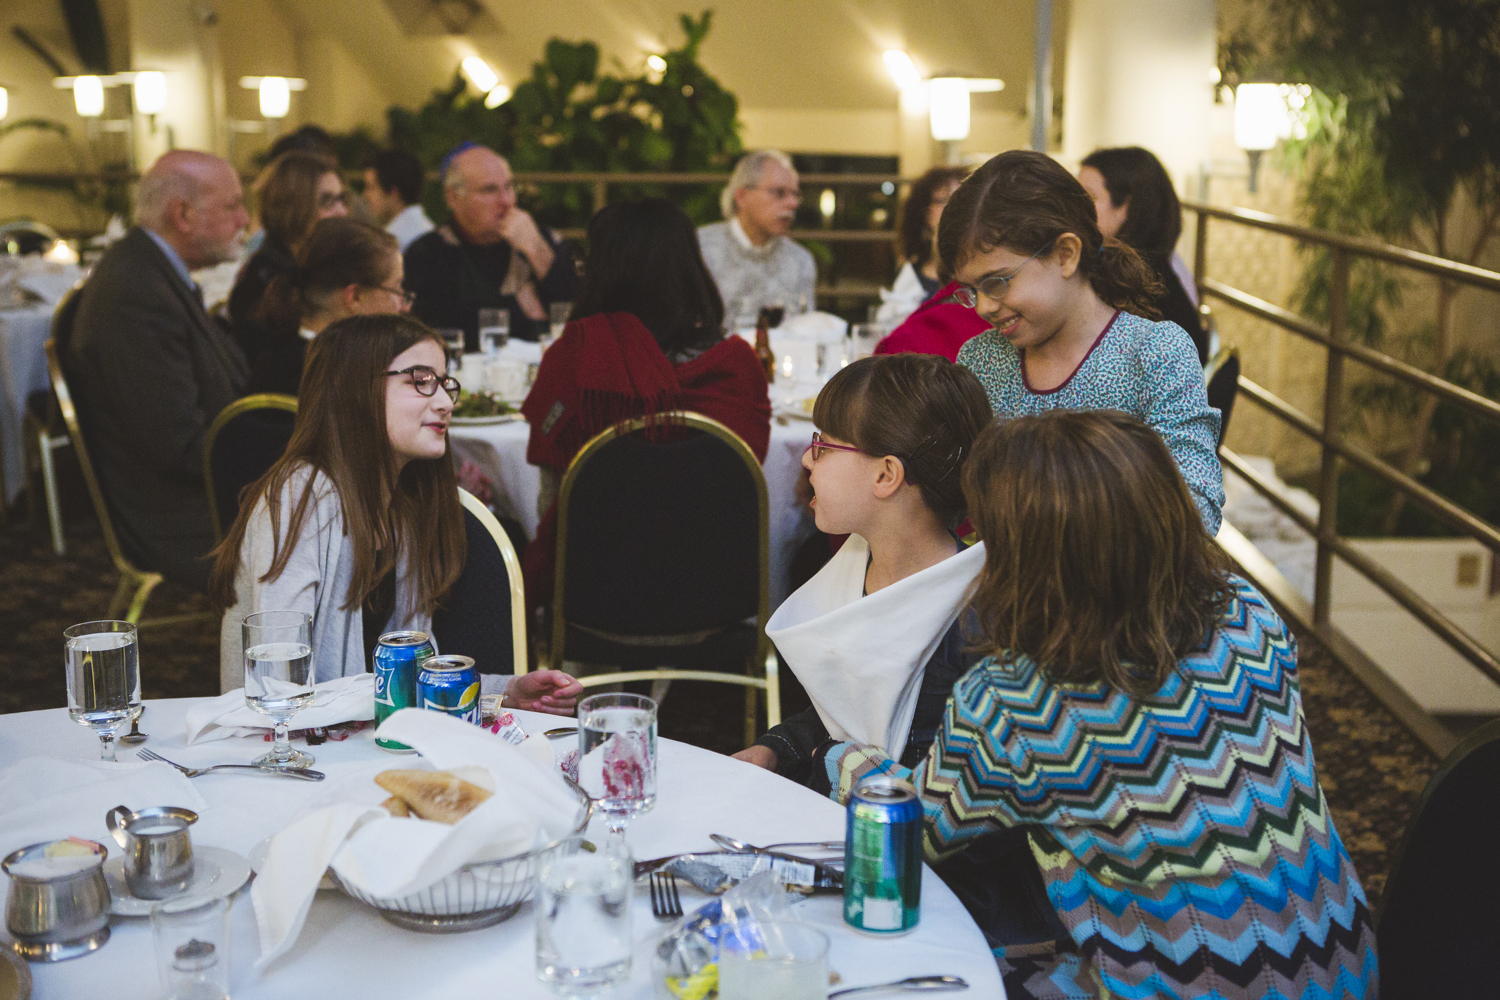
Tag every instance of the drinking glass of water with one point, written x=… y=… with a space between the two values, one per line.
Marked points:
x=558 y=313
x=494 y=330
x=617 y=756
x=793 y=965
x=453 y=342
x=104 y=678
x=278 y=681
x=583 y=918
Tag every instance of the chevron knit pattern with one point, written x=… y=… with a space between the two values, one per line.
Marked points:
x=1184 y=838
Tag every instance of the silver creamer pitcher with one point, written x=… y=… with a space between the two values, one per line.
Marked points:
x=158 y=850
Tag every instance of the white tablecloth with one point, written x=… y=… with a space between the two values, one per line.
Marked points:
x=23 y=370
x=500 y=450
x=346 y=950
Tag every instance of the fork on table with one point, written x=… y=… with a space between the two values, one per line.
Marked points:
x=665 y=903
x=193 y=772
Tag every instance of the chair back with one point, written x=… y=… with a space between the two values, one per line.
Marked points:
x=661 y=537
x=484 y=615
x=242 y=443
x=70 y=419
x=1222 y=374
x=1437 y=925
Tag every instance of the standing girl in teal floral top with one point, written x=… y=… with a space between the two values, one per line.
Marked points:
x=1074 y=324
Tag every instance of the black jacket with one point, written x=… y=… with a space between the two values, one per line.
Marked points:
x=150 y=370
x=249 y=289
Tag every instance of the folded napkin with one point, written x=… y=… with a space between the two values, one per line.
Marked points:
x=824 y=328
x=343 y=699
x=46 y=798
x=861 y=659
x=344 y=827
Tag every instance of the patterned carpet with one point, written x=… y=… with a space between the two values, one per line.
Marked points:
x=1371 y=768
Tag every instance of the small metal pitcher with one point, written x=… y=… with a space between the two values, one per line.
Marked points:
x=158 y=850
x=58 y=905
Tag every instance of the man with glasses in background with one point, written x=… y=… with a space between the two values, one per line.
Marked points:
x=750 y=255
x=492 y=255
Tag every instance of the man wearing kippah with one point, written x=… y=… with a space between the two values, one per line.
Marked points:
x=750 y=255
x=491 y=255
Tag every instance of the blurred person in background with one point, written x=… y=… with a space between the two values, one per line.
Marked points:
x=393 y=190
x=345 y=268
x=491 y=255
x=919 y=277
x=150 y=369
x=753 y=260
x=1137 y=205
x=294 y=191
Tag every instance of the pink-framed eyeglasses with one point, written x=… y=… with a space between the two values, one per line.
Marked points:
x=818 y=445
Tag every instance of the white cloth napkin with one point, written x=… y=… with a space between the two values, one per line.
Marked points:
x=821 y=327
x=46 y=798
x=343 y=699
x=861 y=659
x=344 y=826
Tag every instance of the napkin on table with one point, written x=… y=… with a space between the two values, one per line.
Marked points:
x=343 y=699
x=343 y=826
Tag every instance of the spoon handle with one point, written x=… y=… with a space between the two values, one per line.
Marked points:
x=921 y=983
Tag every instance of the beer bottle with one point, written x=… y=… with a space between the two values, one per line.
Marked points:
x=763 y=343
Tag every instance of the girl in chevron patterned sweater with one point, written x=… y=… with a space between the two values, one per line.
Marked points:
x=1140 y=716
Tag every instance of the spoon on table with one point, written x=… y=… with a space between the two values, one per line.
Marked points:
x=739 y=845
x=915 y=983
x=135 y=735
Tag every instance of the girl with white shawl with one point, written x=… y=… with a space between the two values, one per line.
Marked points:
x=875 y=637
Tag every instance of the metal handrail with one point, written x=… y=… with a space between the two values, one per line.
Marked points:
x=1335 y=448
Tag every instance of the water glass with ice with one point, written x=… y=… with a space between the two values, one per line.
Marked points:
x=494 y=330
x=453 y=342
x=278 y=676
x=793 y=965
x=617 y=756
x=583 y=918
x=104 y=678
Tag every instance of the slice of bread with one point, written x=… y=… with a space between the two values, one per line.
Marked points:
x=434 y=795
x=396 y=807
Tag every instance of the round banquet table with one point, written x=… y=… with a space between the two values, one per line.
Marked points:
x=23 y=370
x=346 y=949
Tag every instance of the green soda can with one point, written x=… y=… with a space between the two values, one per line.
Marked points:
x=883 y=857
x=398 y=658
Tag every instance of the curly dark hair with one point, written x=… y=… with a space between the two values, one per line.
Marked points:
x=915 y=245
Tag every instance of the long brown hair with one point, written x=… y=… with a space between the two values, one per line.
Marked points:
x=921 y=408
x=287 y=194
x=339 y=252
x=341 y=432
x=1096 y=562
x=1024 y=200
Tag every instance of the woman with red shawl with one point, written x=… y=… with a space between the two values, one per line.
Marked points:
x=647 y=336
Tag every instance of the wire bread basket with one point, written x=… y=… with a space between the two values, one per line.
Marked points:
x=477 y=895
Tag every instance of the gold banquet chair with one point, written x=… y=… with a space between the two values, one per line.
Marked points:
x=242 y=443
x=135 y=585
x=663 y=554
x=488 y=596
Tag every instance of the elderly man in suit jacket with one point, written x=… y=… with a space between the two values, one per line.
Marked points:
x=151 y=369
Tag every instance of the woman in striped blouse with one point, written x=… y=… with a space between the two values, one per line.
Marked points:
x=1139 y=715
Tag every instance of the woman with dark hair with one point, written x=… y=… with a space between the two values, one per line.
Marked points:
x=345 y=268
x=646 y=336
x=1137 y=205
x=294 y=191
x=1072 y=314
x=921 y=308
x=1138 y=714
x=359 y=522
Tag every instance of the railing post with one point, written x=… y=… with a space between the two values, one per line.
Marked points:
x=1328 y=475
x=601 y=194
x=1200 y=253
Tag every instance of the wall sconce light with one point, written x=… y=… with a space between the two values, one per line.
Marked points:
x=4 y=102
x=485 y=80
x=150 y=91
x=656 y=63
x=901 y=68
x=497 y=96
x=1260 y=120
x=949 y=108
x=88 y=96
x=275 y=93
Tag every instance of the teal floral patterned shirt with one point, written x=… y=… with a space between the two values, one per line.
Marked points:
x=1147 y=369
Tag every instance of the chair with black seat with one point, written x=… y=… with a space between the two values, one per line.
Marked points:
x=484 y=615
x=1437 y=925
x=1222 y=375
x=135 y=586
x=44 y=431
x=663 y=557
x=242 y=443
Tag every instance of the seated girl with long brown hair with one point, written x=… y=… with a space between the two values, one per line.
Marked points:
x=1139 y=716
x=359 y=523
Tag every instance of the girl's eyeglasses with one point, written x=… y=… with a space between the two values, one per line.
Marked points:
x=818 y=446
x=426 y=381
x=993 y=286
x=405 y=296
